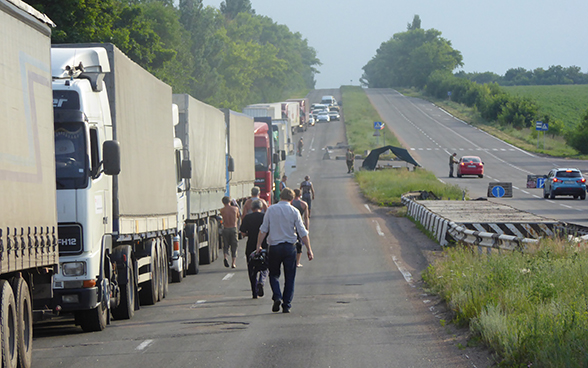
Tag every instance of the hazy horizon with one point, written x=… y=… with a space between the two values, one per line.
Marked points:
x=492 y=36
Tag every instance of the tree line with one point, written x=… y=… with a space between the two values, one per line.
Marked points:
x=555 y=74
x=424 y=60
x=227 y=57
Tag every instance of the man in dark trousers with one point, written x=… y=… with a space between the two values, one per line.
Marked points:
x=250 y=228
x=283 y=223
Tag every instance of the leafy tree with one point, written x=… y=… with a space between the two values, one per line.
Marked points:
x=408 y=58
x=230 y=8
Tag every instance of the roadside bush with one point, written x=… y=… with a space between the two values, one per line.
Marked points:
x=531 y=307
x=578 y=137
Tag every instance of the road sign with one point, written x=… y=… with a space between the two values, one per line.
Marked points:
x=498 y=191
x=378 y=125
x=540 y=182
x=541 y=126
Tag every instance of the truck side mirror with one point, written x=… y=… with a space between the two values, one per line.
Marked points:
x=186 y=169
x=111 y=157
x=276 y=158
x=283 y=153
x=231 y=165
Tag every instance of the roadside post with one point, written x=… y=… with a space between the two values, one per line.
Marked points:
x=378 y=125
x=542 y=127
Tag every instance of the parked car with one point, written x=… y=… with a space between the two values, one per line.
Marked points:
x=565 y=181
x=323 y=116
x=470 y=165
x=334 y=115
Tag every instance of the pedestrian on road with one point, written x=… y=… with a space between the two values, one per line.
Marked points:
x=302 y=207
x=300 y=145
x=231 y=216
x=283 y=223
x=452 y=161
x=307 y=192
x=254 y=197
x=349 y=158
x=283 y=183
x=250 y=228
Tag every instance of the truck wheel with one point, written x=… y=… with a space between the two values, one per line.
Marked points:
x=213 y=239
x=163 y=269
x=24 y=321
x=194 y=265
x=148 y=294
x=160 y=270
x=8 y=326
x=126 y=308
x=205 y=255
x=93 y=320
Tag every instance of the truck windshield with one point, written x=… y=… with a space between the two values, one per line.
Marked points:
x=261 y=159
x=70 y=156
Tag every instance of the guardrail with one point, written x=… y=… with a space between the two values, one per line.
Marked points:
x=441 y=228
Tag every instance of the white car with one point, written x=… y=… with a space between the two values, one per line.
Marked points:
x=323 y=116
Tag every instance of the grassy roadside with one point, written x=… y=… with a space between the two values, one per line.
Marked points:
x=526 y=139
x=530 y=308
x=384 y=187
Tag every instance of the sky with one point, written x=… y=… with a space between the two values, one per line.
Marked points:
x=492 y=35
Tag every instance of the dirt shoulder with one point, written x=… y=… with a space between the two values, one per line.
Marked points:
x=415 y=252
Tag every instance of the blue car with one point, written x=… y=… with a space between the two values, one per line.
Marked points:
x=565 y=181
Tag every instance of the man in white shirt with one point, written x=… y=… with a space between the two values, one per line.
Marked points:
x=283 y=222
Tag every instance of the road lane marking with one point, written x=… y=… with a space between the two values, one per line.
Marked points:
x=368 y=208
x=228 y=276
x=143 y=345
x=379 y=229
x=407 y=276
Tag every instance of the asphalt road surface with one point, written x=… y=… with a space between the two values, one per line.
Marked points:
x=431 y=135
x=359 y=303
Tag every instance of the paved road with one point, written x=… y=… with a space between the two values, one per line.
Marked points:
x=432 y=135
x=358 y=304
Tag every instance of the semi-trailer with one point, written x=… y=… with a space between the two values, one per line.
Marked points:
x=116 y=183
x=28 y=218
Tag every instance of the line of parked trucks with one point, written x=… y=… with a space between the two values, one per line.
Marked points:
x=111 y=184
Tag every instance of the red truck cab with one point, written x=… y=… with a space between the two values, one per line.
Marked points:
x=263 y=161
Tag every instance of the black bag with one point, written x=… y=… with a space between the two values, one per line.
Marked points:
x=259 y=261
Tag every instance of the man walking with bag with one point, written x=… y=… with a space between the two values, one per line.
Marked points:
x=283 y=222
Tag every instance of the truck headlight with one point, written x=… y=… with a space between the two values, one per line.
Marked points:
x=73 y=268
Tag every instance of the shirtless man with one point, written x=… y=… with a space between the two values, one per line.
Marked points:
x=231 y=216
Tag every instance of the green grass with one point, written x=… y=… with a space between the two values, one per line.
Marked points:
x=567 y=103
x=359 y=116
x=531 y=308
x=385 y=187
x=524 y=138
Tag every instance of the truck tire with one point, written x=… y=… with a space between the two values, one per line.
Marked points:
x=128 y=291
x=93 y=320
x=213 y=238
x=205 y=253
x=194 y=263
x=8 y=326
x=149 y=291
x=24 y=321
x=163 y=269
x=159 y=260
